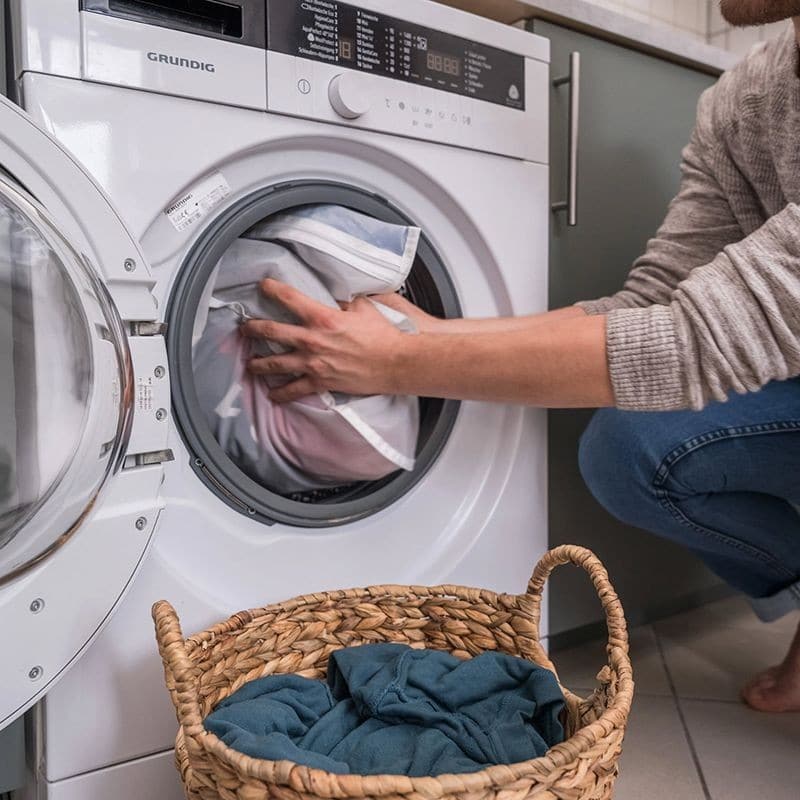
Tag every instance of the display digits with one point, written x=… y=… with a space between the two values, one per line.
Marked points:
x=449 y=65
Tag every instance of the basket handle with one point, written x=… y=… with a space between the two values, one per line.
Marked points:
x=178 y=670
x=586 y=559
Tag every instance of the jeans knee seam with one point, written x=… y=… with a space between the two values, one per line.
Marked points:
x=664 y=471
x=733 y=432
x=736 y=544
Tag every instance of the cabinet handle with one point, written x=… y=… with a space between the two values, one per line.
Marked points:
x=570 y=205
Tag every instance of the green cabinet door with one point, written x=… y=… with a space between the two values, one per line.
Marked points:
x=636 y=114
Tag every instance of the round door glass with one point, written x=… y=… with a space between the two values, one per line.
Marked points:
x=52 y=314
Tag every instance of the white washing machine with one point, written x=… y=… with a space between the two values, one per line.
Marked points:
x=200 y=118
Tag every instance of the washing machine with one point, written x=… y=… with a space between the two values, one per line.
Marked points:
x=198 y=119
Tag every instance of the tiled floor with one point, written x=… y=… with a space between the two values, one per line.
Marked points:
x=689 y=737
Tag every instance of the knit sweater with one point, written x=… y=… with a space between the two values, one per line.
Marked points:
x=713 y=305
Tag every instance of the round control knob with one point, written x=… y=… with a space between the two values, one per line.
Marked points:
x=347 y=95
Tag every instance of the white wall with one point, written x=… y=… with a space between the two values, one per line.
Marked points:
x=698 y=18
x=690 y=16
x=740 y=40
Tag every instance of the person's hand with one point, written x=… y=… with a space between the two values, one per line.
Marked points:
x=424 y=322
x=353 y=350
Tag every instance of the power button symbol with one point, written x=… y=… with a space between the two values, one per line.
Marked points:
x=304 y=86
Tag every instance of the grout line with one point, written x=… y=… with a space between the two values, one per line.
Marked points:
x=678 y=706
x=714 y=700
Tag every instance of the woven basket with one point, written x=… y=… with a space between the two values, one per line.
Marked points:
x=298 y=637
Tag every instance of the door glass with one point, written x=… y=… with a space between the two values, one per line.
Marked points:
x=46 y=372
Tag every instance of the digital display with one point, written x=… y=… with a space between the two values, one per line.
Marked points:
x=347 y=49
x=449 y=65
x=339 y=33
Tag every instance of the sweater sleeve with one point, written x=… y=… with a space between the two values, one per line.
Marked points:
x=699 y=223
x=731 y=325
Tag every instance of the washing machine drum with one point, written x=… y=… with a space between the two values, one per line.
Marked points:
x=327 y=439
x=329 y=458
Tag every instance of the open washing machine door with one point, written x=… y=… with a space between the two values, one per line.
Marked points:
x=84 y=399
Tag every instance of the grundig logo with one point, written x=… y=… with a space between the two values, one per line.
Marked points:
x=186 y=63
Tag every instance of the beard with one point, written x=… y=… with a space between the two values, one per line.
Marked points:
x=758 y=12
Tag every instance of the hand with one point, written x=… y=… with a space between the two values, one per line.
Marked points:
x=352 y=350
x=425 y=323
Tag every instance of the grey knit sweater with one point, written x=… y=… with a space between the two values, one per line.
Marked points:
x=713 y=306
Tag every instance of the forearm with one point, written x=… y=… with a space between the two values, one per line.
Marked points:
x=561 y=364
x=506 y=324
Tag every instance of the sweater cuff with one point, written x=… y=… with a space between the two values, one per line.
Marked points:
x=646 y=371
x=604 y=305
x=595 y=307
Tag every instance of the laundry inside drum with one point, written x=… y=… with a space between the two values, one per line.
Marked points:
x=327 y=448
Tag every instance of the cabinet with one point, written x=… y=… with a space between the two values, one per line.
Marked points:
x=636 y=113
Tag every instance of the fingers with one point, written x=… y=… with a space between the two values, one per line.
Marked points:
x=303 y=307
x=296 y=390
x=294 y=336
x=290 y=364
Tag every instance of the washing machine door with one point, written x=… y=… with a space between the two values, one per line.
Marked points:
x=78 y=493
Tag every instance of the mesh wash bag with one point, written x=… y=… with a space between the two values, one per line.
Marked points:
x=299 y=635
x=356 y=254
x=321 y=441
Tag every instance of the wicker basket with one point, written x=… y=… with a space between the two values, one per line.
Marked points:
x=299 y=635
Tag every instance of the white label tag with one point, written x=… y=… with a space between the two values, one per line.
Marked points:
x=198 y=201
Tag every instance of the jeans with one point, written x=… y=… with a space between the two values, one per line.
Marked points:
x=723 y=482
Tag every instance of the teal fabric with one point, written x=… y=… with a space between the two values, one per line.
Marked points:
x=389 y=709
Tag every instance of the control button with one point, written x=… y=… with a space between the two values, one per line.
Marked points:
x=513 y=92
x=304 y=86
x=348 y=96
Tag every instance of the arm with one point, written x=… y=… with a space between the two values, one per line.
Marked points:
x=560 y=361
x=557 y=364
x=698 y=225
x=429 y=324
x=733 y=325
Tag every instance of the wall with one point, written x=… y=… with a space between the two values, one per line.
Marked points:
x=698 y=18
x=739 y=40
x=689 y=16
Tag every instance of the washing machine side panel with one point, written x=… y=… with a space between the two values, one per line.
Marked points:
x=151 y=778
x=47 y=36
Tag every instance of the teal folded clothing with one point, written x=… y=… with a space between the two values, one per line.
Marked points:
x=389 y=709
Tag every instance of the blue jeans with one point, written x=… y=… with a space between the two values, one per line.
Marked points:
x=723 y=482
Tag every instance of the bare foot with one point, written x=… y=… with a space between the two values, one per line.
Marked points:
x=777 y=689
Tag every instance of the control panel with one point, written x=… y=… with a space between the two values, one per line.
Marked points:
x=435 y=74
x=377 y=44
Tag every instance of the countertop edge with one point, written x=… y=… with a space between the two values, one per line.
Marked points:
x=586 y=17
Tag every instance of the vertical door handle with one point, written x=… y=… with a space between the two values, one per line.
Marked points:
x=570 y=205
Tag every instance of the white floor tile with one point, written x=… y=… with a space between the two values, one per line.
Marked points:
x=743 y=754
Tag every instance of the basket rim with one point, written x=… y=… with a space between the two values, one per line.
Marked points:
x=321 y=783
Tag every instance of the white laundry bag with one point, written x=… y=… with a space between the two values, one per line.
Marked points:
x=324 y=440
x=354 y=254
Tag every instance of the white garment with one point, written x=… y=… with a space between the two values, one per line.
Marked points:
x=321 y=441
